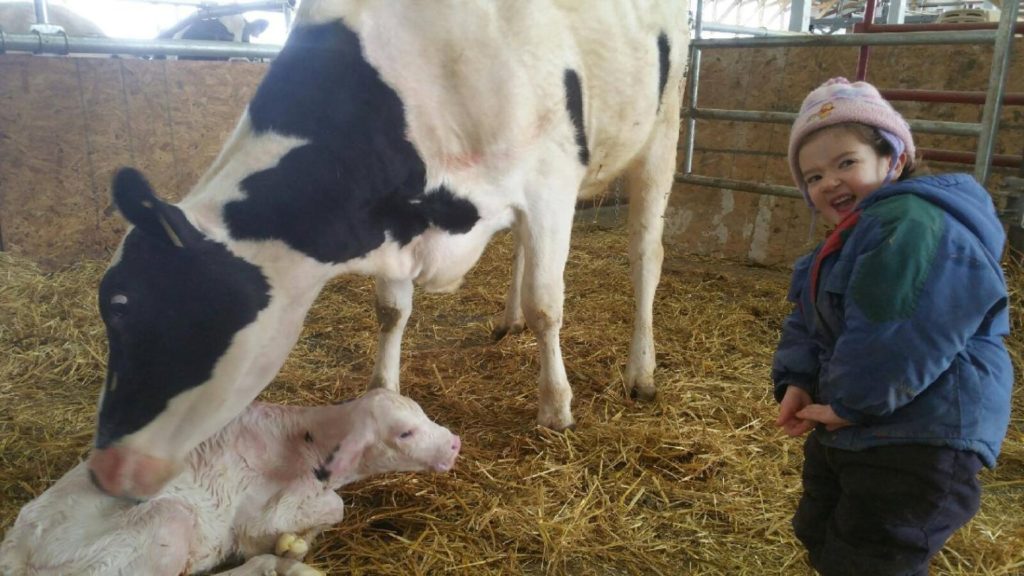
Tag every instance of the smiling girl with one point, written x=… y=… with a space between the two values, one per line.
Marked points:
x=893 y=357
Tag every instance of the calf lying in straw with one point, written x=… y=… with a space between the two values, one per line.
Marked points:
x=264 y=485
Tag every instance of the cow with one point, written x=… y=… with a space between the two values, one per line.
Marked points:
x=258 y=490
x=391 y=139
x=233 y=28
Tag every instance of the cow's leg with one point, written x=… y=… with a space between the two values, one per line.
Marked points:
x=394 y=304
x=513 y=322
x=544 y=231
x=649 y=183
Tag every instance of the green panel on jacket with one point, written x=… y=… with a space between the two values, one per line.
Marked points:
x=889 y=279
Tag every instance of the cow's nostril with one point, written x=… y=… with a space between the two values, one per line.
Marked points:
x=96 y=481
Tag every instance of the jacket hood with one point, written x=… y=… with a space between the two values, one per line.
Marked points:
x=961 y=197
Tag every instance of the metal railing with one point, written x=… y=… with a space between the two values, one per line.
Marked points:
x=985 y=131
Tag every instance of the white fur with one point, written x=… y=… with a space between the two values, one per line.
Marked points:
x=242 y=489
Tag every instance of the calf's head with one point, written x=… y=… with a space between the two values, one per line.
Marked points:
x=387 y=432
x=181 y=318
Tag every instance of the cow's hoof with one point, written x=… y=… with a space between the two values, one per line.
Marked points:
x=291 y=546
x=502 y=330
x=643 y=393
x=555 y=420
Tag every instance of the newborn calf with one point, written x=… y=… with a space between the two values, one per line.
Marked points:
x=263 y=485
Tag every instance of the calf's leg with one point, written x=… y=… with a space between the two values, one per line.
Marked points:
x=512 y=322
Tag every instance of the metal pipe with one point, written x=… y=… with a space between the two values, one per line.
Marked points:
x=732 y=29
x=60 y=44
x=741 y=185
x=996 y=85
x=949 y=96
x=940 y=27
x=880 y=39
x=862 y=58
x=956 y=156
x=925 y=126
x=42 y=17
x=691 y=87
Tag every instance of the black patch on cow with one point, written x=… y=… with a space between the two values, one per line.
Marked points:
x=574 y=103
x=663 y=66
x=180 y=311
x=359 y=179
x=207 y=29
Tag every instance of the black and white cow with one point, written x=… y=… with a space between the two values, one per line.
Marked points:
x=389 y=138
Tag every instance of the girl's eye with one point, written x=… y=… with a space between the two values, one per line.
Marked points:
x=845 y=163
x=813 y=179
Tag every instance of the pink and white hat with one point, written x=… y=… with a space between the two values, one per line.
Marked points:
x=838 y=101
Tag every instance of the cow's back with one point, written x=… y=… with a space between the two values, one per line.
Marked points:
x=483 y=82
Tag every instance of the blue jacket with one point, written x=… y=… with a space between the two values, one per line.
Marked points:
x=903 y=332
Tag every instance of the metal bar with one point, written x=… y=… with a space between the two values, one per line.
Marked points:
x=897 y=12
x=880 y=39
x=691 y=87
x=925 y=126
x=940 y=27
x=949 y=96
x=42 y=17
x=956 y=156
x=996 y=84
x=862 y=58
x=732 y=29
x=741 y=185
x=60 y=44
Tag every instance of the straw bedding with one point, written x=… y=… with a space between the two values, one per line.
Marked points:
x=700 y=482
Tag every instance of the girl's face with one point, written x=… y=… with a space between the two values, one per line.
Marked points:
x=840 y=170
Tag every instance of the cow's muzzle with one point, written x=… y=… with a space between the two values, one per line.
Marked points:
x=123 y=473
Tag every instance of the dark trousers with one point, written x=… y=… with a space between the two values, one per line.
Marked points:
x=884 y=511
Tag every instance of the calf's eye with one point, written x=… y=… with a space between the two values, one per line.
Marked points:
x=406 y=434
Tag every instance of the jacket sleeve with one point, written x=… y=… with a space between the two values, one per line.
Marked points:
x=796 y=360
x=919 y=289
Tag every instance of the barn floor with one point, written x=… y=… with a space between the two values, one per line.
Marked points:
x=700 y=482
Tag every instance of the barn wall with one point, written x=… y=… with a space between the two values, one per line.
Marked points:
x=67 y=123
x=771 y=230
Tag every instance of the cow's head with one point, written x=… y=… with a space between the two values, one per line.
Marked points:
x=180 y=313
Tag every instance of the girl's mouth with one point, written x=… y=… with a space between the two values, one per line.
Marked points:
x=844 y=203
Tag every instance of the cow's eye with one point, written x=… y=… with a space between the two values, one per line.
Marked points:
x=118 y=304
x=406 y=435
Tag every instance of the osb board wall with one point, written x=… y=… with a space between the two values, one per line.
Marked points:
x=66 y=124
x=775 y=230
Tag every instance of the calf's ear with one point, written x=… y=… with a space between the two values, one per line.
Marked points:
x=136 y=200
x=342 y=466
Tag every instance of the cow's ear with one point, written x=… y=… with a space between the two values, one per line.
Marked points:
x=138 y=203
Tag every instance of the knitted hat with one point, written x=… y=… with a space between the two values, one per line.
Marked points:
x=838 y=101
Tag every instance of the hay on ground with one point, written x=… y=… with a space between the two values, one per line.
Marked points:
x=699 y=482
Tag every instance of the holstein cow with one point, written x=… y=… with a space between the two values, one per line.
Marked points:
x=389 y=138
x=233 y=28
x=264 y=485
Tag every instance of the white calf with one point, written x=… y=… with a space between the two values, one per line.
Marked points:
x=264 y=484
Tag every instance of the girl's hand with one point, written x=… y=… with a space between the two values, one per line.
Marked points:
x=795 y=400
x=823 y=414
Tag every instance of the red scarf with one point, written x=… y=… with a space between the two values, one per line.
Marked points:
x=833 y=243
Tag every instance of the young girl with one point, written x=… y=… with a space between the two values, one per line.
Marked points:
x=893 y=357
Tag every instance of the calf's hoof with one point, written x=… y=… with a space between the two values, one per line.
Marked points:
x=643 y=393
x=291 y=546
